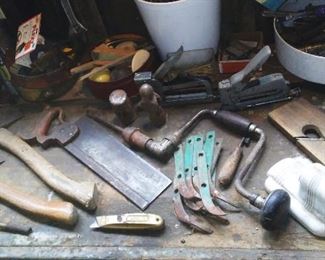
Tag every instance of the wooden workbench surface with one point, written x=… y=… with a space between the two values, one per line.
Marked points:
x=243 y=238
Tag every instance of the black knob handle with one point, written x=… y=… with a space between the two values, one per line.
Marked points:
x=275 y=212
x=233 y=121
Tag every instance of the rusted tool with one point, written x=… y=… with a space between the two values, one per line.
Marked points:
x=16 y=229
x=188 y=218
x=131 y=221
x=129 y=174
x=205 y=190
x=180 y=212
x=83 y=193
x=186 y=187
x=183 y=168
x=122 y=106
x=228 y=170
x=204 y=202
x=149 y=103
x=165 y=148
x=58 y=211
x=63 y=133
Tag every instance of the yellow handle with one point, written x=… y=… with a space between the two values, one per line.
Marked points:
x=133 y=221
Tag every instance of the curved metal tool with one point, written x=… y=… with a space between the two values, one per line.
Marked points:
x=198 y=146
x=181 y=173
x=194 y=205
x=187 y=218
x=205 y=189
x=213 y=146
x=180 y=212
x=186 y=188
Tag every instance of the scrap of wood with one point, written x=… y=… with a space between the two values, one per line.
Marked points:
x=293 y=118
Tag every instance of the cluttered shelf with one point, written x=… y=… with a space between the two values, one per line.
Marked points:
x=164 y=148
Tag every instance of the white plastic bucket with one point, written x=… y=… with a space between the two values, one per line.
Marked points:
x=194 y=24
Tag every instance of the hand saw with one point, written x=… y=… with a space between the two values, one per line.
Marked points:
x=95 y=147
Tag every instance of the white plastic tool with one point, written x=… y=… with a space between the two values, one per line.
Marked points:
x=304 y=181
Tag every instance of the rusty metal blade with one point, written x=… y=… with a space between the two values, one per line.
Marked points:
x=183 y=168
x=194 y=205
x=127 y=172
x=205 y=189
x=187 y=218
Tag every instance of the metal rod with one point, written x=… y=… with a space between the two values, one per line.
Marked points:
x=248 y=165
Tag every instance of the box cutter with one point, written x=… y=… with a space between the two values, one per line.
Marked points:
x=131 y=221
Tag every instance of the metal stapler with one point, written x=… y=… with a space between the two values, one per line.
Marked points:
x=174 y=85
x=240 y=92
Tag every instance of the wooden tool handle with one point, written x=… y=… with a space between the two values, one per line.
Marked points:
x=88 y=66
x=109 y=65
x=84 y=193
x=58 y=211
x=228 y=170
x=45 y=122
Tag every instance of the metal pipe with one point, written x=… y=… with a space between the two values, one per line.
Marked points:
x=178 y=136
x=248 y=166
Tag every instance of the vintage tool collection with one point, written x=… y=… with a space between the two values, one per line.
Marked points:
x=194 y=168
x=198 y=194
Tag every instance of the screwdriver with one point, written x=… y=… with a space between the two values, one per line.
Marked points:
x=229 y=168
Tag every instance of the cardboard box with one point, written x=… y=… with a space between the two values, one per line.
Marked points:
x=232 y=66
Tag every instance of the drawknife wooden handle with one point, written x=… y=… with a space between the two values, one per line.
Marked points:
x=58 y=211
x=84 y=193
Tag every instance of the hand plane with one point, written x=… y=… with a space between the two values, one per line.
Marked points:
x=239 y=92
x=174 y=85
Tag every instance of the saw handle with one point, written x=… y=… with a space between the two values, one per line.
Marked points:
x=45 y=122
x=233 y=121
x=58 y=211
